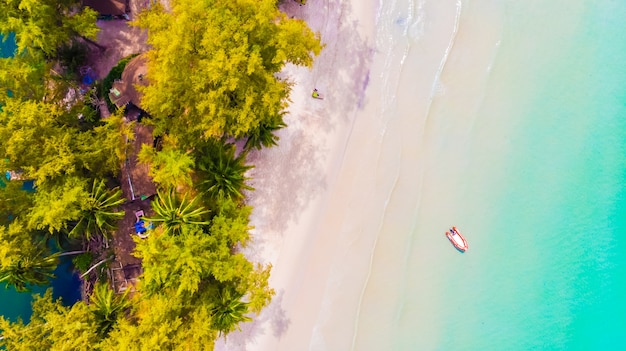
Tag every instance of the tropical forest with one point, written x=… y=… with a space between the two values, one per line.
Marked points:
x=210 y=91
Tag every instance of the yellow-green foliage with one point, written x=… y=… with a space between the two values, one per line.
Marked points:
x=176 y=263
x=44 y=141
x=15 y=243
x=33 y=140
x=170 y=168
x=14 y=202
x=23 y=75
x=212 y=70
x=55 y=206
x=52 y=327
x=212 y=74
x=165 y=322
x=23 y=261
x=199 y=265
x=39 y=138
x=44 y=25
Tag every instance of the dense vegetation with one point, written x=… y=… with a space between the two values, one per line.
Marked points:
x=213 y=67
x=46 y=26
x=212 y=78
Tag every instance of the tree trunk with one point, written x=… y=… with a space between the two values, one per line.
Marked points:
x=94 y=266
x=72 y=253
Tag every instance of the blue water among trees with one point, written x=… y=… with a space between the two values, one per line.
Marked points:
x=66 y=285
x=8 y=46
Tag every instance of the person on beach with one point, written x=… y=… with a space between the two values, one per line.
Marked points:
x=316 y=94
x=301 y=2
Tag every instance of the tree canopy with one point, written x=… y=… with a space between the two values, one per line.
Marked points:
x=99 y=213
x=214 y=63
x=53 y=326
x=24 y=261
x=221 y=173
x=24 y=76
x=45 y=25
x=213 y=78
x=170 y=168
x=45 y=142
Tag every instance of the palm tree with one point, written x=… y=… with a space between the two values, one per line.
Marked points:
x=32 y=269
x=223 y=173
x=100 y=216
x=25 y=259
x=107 y=307
x=263 y=135
x=174 y=214
x=229 y=311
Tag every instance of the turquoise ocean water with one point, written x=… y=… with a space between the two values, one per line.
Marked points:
x=66 y=285
x=534 y=176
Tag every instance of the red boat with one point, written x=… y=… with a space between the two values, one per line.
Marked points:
x=457 y=239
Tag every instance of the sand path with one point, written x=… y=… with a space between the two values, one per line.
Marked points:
x=120 y=39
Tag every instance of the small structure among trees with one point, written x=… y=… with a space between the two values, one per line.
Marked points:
x=124 y=91
x=107 y=7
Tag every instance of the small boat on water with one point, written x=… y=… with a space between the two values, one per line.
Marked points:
x=457 y=239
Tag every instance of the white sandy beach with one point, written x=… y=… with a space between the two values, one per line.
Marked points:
x=297 y=202
x=336 y=183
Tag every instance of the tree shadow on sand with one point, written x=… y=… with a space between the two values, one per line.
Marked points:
x=272 y=319
x=289 y=177
x=341 y=72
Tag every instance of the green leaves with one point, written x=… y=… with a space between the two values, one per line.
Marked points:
x=55 y=206
x=263 y=135
x=23 y=261
x=52 y=327
x=165 y=322
x=222 y=173
x=107 y=307
x=29 y=269
x=62 y=159
x=34 y=140
x=99 y=215
x=229 y=310
x=205 y=269
x=213 y=75
x=178 y=264
x=220 y=60
x=44 y=25
x=24 y=76
x=170 y=168
x=175 y=214
x=37 y=139
x=231 y=223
